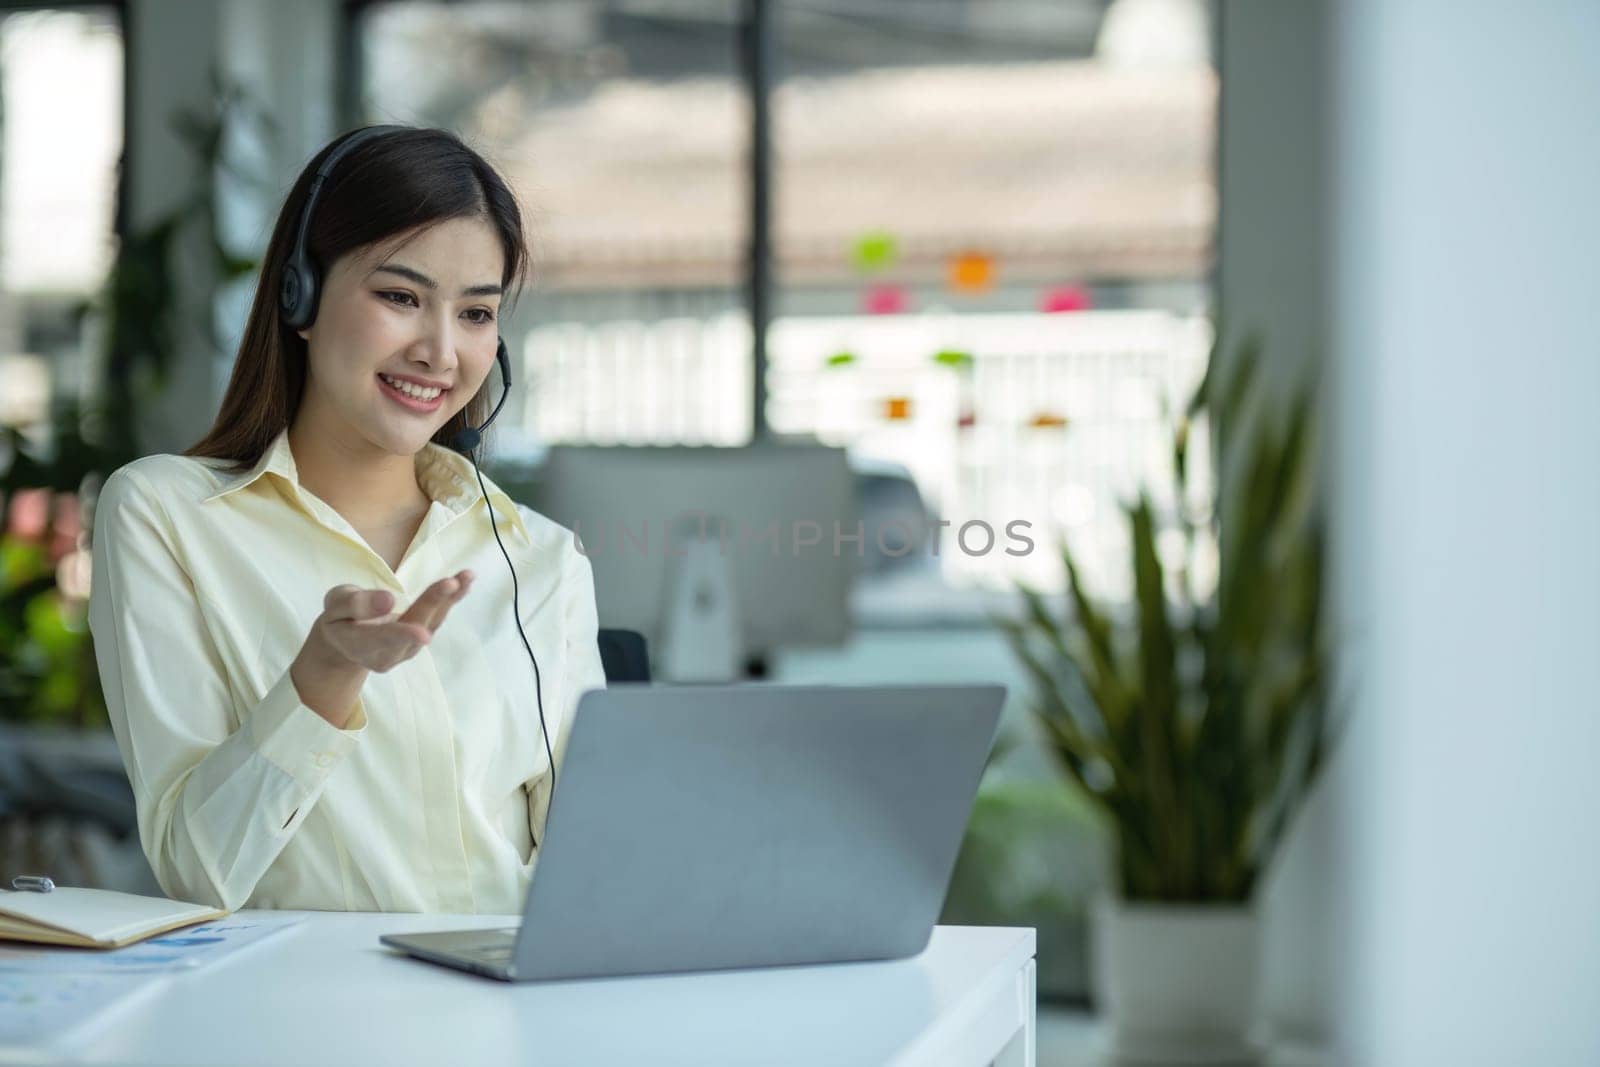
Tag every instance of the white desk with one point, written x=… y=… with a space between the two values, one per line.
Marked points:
x=325 y=991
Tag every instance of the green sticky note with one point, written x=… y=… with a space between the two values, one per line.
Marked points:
x=875 y=250
x=953 y=358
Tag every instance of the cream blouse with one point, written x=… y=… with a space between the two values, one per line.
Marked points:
x=204 y=587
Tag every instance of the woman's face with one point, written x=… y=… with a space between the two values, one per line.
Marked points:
x=424 y=313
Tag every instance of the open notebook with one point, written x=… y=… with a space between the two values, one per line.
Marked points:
x=93 y=918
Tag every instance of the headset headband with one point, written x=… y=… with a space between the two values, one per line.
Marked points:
x=298 y=295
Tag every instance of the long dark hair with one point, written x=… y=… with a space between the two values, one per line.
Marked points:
x=391 y=184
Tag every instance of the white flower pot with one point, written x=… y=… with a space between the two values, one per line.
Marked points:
x=1176 y=984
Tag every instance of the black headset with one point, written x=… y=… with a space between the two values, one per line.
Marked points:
x=298 y=295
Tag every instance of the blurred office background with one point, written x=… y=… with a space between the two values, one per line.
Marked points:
x=979 y=252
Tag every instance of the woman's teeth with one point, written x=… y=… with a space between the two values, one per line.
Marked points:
x=412 y=390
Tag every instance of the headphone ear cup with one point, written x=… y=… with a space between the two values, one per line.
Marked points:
x=297 y=298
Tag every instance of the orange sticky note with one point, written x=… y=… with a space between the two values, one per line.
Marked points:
x=971 y=272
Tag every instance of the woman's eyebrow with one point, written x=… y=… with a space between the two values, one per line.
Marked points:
x=423 y=280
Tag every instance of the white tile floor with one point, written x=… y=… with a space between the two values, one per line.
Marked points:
x=1066 y=1038
x=1070 y=1037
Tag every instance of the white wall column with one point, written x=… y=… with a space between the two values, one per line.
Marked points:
x=1469 y=513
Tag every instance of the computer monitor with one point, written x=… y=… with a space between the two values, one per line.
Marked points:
x=782 y=515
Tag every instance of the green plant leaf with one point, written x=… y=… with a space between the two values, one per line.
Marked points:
x=1212 y=714
x=1158 y=707
x=1100 y=669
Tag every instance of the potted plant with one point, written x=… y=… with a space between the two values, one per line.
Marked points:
x=1195 y=718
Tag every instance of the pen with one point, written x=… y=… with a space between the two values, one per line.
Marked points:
x=38 y=883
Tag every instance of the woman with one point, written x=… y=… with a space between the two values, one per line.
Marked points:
x=305 y=625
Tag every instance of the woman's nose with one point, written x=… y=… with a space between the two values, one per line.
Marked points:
x=442 y=336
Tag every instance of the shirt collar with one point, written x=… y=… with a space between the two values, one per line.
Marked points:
x=444 y=474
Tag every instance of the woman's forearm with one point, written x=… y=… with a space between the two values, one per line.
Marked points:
x=327 y=683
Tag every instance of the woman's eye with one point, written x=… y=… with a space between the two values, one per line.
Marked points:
x=480 y=316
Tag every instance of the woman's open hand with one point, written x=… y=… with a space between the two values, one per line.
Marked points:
x=360 y=628
x=358 y=631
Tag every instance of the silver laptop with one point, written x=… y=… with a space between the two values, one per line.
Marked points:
x=700 y=827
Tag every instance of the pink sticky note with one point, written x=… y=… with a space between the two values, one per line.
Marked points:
x=884 y=300
x=1065 y=298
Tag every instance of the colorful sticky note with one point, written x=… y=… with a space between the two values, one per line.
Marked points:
x=840 y=359
x=897 y=408
x=1047 y=420
x=1065 y=298
x=876 y=250
x=885 y=300
x=971 y=272
x=953 y=358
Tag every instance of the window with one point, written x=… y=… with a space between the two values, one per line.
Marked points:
x=991 y=237
x=61 y=109
x=993 y=230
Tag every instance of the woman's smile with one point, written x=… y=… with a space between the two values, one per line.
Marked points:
x=411 y=397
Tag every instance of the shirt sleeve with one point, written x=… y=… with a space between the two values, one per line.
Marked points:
x=585 y=671
x=216 y=803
